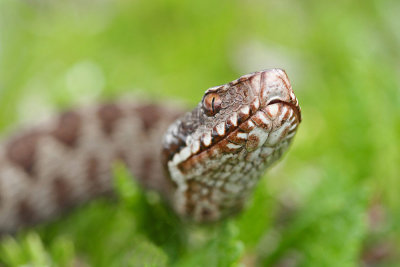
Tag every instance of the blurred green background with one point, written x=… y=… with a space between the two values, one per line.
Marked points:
x=332 y=201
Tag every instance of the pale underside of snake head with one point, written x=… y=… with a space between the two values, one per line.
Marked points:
x=216 y=154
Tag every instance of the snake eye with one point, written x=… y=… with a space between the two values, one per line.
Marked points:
x=211 y=104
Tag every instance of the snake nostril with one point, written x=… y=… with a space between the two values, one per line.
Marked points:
x=272 y=108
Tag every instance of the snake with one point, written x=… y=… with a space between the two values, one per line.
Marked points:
x=205 y=163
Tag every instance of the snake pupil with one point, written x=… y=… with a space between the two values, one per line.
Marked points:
x=212 y=104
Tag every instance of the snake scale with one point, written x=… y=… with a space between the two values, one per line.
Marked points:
x=205 y=163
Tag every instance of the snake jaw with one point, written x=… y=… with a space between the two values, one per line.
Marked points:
x=215 y=158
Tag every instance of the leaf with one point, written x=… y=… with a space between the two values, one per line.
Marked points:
x=222 y=249
x=328 y=230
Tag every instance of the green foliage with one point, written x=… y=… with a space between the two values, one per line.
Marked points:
x=329 y=229
x=30 y=250
x=312 y=209
x=222 y=248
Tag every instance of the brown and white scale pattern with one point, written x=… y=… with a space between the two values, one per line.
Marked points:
x=204 y=163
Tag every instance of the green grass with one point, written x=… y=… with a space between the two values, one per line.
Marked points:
x=311 y=209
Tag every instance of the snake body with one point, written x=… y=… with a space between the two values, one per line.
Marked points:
x=205 y=163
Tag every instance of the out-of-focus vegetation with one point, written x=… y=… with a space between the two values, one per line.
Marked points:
x=333 y=201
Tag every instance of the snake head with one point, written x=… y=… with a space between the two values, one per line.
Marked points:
x=248 y=94
x=216 y=153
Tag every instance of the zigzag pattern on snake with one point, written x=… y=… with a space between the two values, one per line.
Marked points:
x=205 y=163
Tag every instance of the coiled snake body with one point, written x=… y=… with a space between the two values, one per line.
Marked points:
x=205 y=162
